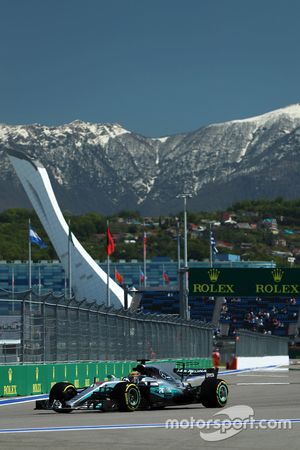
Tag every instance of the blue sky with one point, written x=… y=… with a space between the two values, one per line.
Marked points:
x=158 y=67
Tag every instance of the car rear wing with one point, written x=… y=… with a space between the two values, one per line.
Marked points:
x=191 y=369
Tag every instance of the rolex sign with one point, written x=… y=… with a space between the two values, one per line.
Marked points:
x=276 y=282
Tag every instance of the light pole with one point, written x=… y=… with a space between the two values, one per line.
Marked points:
x=183 y=273
x=185 y=196
x=178 y=243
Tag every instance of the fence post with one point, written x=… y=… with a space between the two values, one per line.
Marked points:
x=55 y=333
x=23 y=312
x=44 y=329
x=183 y=294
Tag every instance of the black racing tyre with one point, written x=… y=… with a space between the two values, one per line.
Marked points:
x=214 y=393
x=127 y=396
x=60 y=393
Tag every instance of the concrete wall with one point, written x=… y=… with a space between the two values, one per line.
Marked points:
x=252 y=362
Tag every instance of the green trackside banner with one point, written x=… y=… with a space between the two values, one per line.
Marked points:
x=276 y=282
x=39 y=378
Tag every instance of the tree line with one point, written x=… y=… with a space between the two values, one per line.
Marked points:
x=128 y=228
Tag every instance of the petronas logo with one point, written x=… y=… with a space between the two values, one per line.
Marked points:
x=277 y=275
x=213 y=275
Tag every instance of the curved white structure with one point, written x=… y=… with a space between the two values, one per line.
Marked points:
x=89 y=281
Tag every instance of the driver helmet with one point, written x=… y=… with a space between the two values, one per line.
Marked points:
x=133 y=376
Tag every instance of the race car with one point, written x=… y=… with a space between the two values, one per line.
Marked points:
x=146 y=387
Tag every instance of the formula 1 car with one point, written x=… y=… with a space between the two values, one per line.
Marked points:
x=147 y=387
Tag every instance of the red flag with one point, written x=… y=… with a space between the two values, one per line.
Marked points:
x=119 y=278
x=110 y=246
x=166 y=278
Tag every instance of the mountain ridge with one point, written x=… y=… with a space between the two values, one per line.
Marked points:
x=106 y=168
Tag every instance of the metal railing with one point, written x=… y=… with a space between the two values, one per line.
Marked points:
x=54 y=329
x=250 y=343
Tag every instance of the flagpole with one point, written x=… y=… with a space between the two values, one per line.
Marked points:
x=29 y=256
x=39 y=288
x=145 y=257
x=13 y=286
x=110 y=248
x=69 y=262
x=210 y=247
x=108 y=276
x=108 y=273
x=140 y=280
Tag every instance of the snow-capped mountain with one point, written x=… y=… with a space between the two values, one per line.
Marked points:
x=106 y=168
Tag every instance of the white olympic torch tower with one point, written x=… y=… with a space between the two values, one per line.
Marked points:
x=89 y=281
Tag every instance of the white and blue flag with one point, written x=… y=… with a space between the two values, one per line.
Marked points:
x=213 y=244
x=35 y=239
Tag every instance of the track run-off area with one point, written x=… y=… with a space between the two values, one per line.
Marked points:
x=263 y=412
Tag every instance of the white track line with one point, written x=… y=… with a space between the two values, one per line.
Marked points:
x=261 y=375
x=247 y=423
x=261 y=383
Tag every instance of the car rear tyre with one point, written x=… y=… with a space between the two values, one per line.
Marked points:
x=60 y=393
x=128 y=396
x=214 y=393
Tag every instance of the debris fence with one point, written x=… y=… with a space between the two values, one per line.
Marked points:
x=40 y=329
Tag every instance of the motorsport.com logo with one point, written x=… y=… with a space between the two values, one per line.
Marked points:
x=240 y=417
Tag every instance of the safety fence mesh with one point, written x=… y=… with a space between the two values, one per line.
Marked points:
x=54 y=329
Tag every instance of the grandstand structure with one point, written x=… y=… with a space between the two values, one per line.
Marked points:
x=273 y=315
x=51 y=275
x=276 y=316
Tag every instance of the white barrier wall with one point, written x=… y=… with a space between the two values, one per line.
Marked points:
x=253 y=362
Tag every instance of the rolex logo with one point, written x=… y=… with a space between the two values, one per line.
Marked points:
x=213 y=275
x=10 y=375
x=277 y=275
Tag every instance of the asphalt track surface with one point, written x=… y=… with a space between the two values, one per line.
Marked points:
x=272 y=395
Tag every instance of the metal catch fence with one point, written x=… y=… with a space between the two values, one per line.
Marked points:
x=249 y=343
